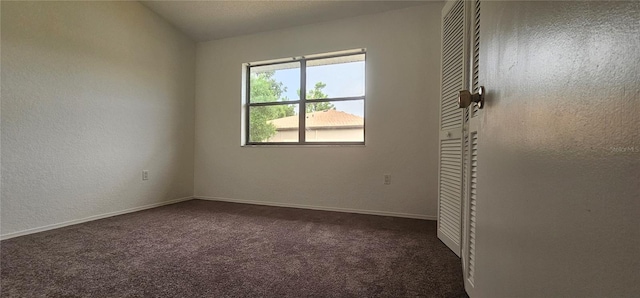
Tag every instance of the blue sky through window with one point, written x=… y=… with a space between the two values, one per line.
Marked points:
x=343 y=80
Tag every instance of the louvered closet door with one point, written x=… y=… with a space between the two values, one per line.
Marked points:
x=470 y=168
x=451 y=123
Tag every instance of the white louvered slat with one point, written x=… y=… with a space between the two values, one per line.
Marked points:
x=449 y=186
x=448 y=214
x=447 y=159
x=450 y=179
x=476 y=52
x=450 y=191
x=449 y=174
x=452 y=66
x=451 y=208
x=450 y=163
x=472 y=206
x=465 y=167
x=455 y=47
x=451 y=203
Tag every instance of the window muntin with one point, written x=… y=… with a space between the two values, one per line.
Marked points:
x=317 y=100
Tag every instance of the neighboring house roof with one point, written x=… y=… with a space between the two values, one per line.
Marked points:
x=329 y=119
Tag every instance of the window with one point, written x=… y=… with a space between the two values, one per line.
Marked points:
x=306 y=100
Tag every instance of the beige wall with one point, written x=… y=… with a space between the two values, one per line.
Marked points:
x=403 y=56
x=92 y=94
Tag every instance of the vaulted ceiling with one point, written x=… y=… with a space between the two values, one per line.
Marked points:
x=210 y=20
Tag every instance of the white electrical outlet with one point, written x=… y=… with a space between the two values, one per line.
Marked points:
x=145 y=174
x=387 y=179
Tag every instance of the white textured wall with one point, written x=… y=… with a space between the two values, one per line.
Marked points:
x=92 y=94
x=401 y=116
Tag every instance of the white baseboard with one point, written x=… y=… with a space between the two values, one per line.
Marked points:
x=336 y=209
x=90 y=218
x=276 y=204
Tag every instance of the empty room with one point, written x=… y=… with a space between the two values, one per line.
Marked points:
x=319 y=148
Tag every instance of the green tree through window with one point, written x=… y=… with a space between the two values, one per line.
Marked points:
x=317 y=93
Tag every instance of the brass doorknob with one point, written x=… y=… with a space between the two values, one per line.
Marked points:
x=465 y=98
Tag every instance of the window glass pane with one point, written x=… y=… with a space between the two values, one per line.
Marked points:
x=340 y=121
x=277 y=123
x=336 y=77
x=277 y=82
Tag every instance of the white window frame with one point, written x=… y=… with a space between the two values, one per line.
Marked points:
x=302 y=102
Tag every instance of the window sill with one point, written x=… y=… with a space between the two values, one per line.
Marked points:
x=301 y=145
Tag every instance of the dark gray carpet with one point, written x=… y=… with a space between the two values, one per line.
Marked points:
x=214 y=249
